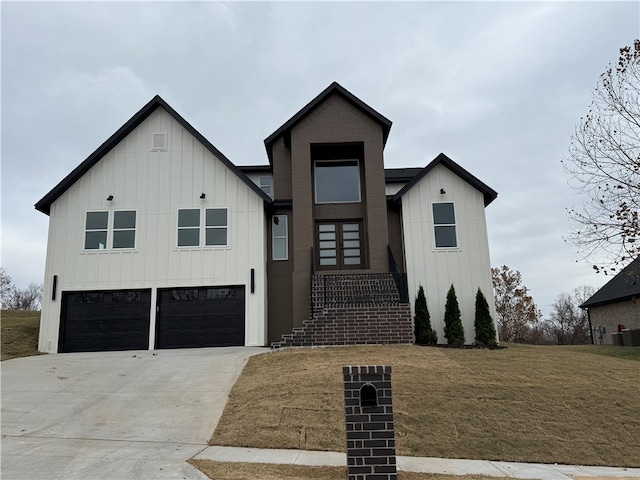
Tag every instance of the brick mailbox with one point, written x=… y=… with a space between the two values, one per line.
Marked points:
x=371 y=445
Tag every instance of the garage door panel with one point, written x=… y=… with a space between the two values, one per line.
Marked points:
x=202 y=317
x=105 y=321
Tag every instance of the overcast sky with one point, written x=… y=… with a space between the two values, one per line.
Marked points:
x=498 y=87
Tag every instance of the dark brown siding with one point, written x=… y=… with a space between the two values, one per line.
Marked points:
x=281 y=171
x=280 y=285
x=394 y=217
x=335 y=121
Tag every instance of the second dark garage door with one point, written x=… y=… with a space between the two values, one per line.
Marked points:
x=200 y=317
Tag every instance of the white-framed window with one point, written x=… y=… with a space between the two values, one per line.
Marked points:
x=280 y=238
x=124 y=229
x=96 y=229
x=110 y=230
x=216 y=226
x=337 y=181
x=208 y=227
x=189 y=227
x=444 y=225
x=266 y=184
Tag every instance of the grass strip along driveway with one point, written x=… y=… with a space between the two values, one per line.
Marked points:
x=19 y=333
x=551 y=404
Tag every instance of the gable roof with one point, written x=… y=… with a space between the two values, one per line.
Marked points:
x=625 y=285
x=489 y=194
x=44 y=204
x=334 y=88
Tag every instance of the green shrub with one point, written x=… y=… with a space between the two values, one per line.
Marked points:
x=424 y=334
x=483 y=323
x=453 y=330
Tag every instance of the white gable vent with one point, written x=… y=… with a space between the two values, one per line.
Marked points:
x=158 y=142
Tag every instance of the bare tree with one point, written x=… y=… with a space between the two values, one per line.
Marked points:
x=604 y=163
x=7 y=288
x=515 y=309
x=14 y=298
x=568 y=323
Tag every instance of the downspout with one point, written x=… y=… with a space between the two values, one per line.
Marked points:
x=590 y=327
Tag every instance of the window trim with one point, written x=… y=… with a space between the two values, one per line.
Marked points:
x=110 y=231
x=202 y=228
x=114 y=230
x=85 y=230
x=454 y=225
x=264 y=185
x=190 y=227
x=280 y=237
x=216 y=227
x=336 y=161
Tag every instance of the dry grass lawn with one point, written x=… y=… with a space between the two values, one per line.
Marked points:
x=19 y=333
x=548 y=404
x=263 y=471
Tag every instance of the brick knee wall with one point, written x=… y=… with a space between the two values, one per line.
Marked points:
x=353 y=310
x=379 y=324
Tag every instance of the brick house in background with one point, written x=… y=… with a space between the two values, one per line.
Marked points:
x=616 y=303
x=157 y=240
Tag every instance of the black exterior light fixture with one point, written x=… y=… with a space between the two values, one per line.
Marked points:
x=442 y=192
x=203 y=196
x=109 y=198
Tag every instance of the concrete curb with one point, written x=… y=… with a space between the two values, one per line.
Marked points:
x=419 y=464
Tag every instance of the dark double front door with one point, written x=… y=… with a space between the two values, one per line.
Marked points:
x=339 y=245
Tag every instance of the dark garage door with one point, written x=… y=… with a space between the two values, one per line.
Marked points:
x=105 y=320
x=200 y=317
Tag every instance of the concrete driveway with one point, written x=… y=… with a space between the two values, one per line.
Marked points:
x=114 y=415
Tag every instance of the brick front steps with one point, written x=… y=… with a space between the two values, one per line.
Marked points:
x=353 y=310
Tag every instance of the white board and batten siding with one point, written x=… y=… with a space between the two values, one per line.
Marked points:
x=467 y=267
x=156 y=183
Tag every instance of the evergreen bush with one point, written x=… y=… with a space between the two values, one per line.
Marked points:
x=453 y=330
x=483 y=323
x=424 y=334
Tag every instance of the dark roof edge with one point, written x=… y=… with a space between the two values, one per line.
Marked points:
x=488 y=193
x=335 y=87
x=624 y=286
x=44 y=204
x=255 y=168
x=589 y=304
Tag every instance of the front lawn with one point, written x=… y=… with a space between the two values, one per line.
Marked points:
x=548 y=404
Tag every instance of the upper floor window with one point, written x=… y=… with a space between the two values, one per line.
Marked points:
x=216 y=227
x=444 y=225
x=266 y=184
x=189 y=227
x=337 y=181
x=96 y=227
x=100 y=234
x=124 y=229
x=190 y=233
x=280 y=244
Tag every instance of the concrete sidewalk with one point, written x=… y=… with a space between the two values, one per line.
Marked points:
x=422 y=465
